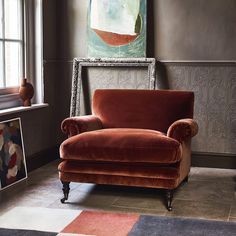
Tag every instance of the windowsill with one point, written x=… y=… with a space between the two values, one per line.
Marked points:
x=22 y=109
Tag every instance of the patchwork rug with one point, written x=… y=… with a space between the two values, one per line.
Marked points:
x=25 y=221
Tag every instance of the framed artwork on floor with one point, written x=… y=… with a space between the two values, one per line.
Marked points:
x=12 y=155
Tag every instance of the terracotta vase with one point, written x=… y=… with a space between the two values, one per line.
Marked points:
x=26 y=92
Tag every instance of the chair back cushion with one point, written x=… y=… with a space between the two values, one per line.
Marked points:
x=145 y=109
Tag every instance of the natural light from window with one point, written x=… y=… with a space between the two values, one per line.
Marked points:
x=11 y=43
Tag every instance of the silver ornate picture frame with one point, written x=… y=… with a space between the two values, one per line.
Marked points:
x=80 y=63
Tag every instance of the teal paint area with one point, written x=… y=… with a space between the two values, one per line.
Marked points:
x=116 y=28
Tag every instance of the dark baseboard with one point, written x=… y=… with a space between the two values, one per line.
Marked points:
x=214 y=160
x=42 y=158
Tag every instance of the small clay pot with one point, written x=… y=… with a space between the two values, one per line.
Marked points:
x=26 y=92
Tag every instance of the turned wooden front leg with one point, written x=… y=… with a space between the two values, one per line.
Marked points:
x=169 y=197
x=66 y=190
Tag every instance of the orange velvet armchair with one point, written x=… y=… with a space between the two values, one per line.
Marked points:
x=133 y=137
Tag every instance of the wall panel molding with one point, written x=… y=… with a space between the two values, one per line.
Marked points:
x=214 y=85
x=200 y=62
x=213 y=82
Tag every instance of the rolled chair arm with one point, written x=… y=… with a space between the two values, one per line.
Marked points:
x=79 y=124
x=183 y=129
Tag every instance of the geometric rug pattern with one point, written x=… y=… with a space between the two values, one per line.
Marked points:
x=36 y=221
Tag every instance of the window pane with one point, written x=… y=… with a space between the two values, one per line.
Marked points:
x=13 y=63
x=12 y=19
x=1 y=66
x=1 y=19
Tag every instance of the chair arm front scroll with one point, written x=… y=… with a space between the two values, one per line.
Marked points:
x=79 y=124
x=183 y=129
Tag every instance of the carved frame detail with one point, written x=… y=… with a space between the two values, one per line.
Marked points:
x=79 y=63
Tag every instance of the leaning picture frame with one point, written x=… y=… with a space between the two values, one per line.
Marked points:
x=12 y=154
x=80 y=63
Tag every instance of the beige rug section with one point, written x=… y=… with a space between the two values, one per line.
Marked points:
x=38 y=218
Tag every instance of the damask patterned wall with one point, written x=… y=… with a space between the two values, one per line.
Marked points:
x=108 y=77
x=214 y=85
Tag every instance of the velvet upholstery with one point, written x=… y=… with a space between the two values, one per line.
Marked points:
x=121 y=169
x=75 y=125
x=123 y=145
x=133 y=137
x=119 y=180
x=145 y=109
x=183 y=129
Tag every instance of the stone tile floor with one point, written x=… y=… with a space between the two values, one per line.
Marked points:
x=209 y=194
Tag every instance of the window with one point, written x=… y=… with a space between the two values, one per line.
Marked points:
x=20 y=49
x=11 y=43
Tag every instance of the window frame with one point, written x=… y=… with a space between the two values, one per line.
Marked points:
x=32 y=55
x=20 y=41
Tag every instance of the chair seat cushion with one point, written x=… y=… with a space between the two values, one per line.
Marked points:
x=122 y=145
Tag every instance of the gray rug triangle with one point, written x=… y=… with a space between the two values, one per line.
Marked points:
x=168 y=226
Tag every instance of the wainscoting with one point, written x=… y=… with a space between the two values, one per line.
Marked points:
x=214 y=84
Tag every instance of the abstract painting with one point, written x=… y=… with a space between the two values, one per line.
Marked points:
x=117 y=28
x=12 y=158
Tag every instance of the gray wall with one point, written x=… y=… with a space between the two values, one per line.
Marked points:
x=214 y=85
x=195 y=29
x=177 y=30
